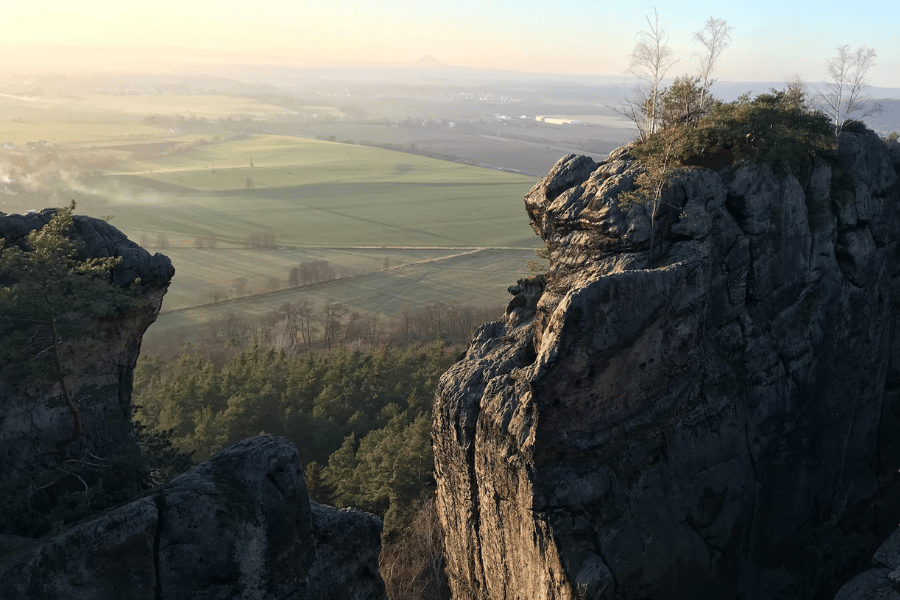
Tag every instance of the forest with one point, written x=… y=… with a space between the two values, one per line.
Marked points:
x=360 y=419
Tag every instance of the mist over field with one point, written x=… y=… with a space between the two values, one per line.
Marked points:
x=242 y=172
x=409 y=189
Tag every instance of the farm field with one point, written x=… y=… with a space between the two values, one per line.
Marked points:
x=477 y=278
x=313 y=193
x=24 y=120
x=205 y=105
x=236 y=212
x=513 y=145
x=202 y=275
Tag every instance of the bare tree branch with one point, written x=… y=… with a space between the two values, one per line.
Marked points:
x=715 y=38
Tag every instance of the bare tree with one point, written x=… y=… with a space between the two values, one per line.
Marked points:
x=650 y=60
x=845 y=93
x=306 y=322
x=715 y=38
x=331 y=317
x=240 y=285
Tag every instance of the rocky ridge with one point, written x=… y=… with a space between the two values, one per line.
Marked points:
x=719 y=424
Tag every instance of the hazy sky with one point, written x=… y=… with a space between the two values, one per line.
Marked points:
x=772 y=40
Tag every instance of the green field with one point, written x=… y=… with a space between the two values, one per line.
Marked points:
x=25 y=121
x=313 y=193
x=207 y=106
x=202 y=272
x=399 y=230
x=477 y=278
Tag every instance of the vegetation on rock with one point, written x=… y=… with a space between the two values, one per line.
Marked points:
x=777 y=129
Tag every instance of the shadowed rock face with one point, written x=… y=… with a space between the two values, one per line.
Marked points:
x=240 y=525
x=718 y=425
x=33 y=419
x=882 y=580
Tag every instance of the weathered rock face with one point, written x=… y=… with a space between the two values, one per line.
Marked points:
x=33 y=419
x=719 y=425
x=882 y=580
x=240 y=525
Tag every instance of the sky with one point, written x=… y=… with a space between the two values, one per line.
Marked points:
x=771 y=40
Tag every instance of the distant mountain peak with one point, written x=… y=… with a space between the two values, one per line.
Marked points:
x=428 y=61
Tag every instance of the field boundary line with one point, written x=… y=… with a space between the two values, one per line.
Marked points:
x=467 y=252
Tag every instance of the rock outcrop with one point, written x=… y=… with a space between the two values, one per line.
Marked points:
x=882 y=580
x=240 y=525
x=718 y=424
x=33 y=419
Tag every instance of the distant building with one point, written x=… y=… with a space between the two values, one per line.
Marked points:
x=555 y=121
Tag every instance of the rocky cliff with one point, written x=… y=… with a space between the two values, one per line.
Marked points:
x=240 y=525
x=33 y=419
x=720 y=424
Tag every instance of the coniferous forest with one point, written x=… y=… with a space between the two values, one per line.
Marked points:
x=360 y=419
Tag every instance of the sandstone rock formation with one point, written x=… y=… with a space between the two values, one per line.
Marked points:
x=240 y=525
x=33 y=420
x=718 y=425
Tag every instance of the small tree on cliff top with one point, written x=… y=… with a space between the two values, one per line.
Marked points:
x=650 y=60
x=844 y=98
x=46 y=291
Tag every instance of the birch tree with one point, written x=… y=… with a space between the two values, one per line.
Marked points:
x=650 y=60
x=715 y=37
x=845 y=94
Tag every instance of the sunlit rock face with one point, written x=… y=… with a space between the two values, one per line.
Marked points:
x=99 y=364
x=718 y=423
x=238 y=526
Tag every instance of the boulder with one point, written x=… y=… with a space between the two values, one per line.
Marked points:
x=882 y=580
x=239 y=526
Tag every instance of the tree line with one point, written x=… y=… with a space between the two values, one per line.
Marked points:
x=297 y=327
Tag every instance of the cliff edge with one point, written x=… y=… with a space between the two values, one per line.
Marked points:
x=721 y=424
